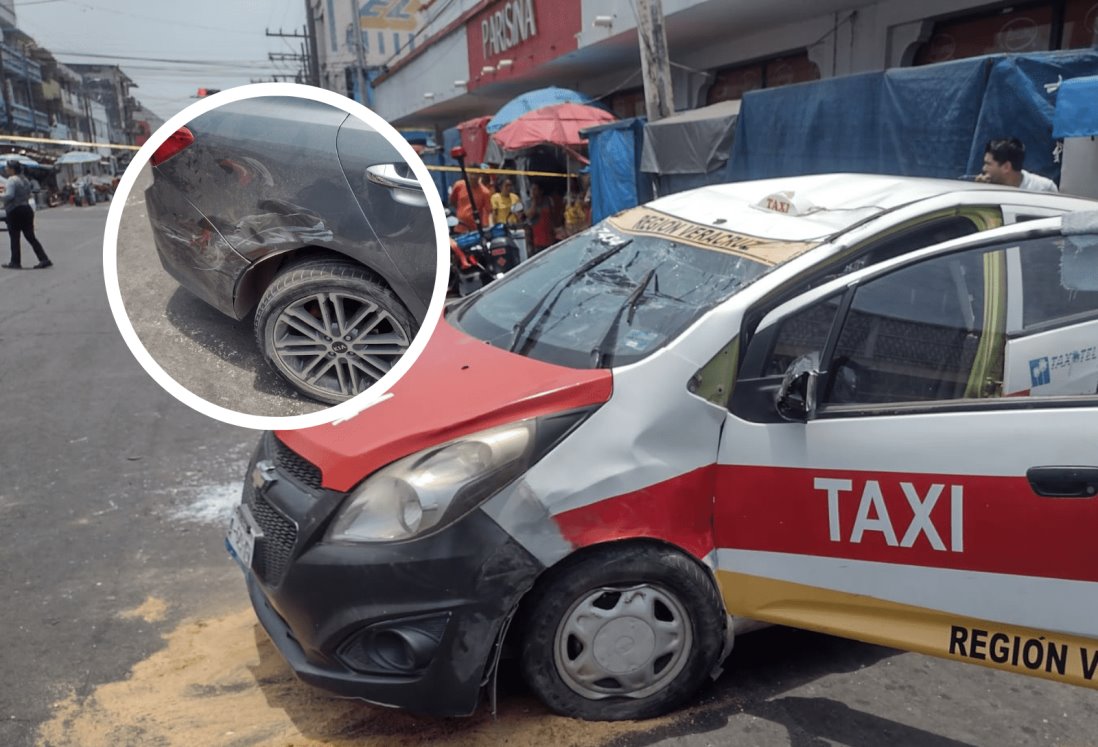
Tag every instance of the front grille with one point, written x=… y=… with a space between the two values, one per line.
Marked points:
x=272 y=553
x=293 y=465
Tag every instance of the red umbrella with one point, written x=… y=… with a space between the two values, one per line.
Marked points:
x=474 y=138
x=552 y=125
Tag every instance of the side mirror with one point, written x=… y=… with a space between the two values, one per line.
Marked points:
x=796 y=398
x=457 y=153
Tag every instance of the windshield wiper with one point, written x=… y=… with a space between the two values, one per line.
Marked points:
x=520 y=328
x=610 y=338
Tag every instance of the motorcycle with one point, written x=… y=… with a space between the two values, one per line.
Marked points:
x=485 y=254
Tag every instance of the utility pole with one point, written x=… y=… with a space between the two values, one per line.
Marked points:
x=356 y=24
x=311 y=45
x=655 y=62
x=307 y=60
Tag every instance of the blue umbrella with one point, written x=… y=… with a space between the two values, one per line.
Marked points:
x=78 y=156
x=26 y=161
x=532 y=100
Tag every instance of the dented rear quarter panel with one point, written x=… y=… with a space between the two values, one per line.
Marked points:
x=263 y=177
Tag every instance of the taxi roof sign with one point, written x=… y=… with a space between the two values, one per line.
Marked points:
x=787 y=203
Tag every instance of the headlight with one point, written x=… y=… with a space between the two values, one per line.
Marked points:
x=435 y=486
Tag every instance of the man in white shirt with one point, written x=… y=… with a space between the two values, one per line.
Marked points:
x=1003 y=165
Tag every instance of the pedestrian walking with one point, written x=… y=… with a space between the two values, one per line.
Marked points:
x=20 y=216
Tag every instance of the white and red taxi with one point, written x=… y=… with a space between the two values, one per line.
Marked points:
x=764 y=401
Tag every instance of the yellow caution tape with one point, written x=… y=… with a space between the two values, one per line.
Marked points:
x=51 y=141
x=509 y=172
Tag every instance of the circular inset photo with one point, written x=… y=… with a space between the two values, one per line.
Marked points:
x=277 y=250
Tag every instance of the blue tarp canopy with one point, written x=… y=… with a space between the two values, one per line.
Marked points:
x=1020 y=100
x=1076 y=108
x=914 y=121
x=616 y=180
x=924 y=121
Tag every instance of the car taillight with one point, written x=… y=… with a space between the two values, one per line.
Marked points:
x=179 y=140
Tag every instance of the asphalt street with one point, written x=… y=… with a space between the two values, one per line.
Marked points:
x=212 y=355
x=126 y=623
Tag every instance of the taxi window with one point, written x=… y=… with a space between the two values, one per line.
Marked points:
x=919 y=334
x=1055 y=353
x=802 y=334
x=1046 y=297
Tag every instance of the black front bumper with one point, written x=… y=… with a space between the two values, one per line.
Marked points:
x=408 y=624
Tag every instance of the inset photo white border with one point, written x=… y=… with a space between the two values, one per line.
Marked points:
x=344 y=410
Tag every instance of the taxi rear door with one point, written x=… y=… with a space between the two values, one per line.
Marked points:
x=915 y=504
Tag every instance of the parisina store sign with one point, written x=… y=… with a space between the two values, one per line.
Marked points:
x=508 y=27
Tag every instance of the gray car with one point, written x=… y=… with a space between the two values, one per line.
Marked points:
x=303 y=214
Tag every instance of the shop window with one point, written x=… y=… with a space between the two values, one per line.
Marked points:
x=1080 y=24
x=1027 y=29
x=626 y=104
x=784 y=71
x=732 y=83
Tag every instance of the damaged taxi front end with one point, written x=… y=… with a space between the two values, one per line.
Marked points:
x=395 y=589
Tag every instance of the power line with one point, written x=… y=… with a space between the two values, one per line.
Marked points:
x=174 y=61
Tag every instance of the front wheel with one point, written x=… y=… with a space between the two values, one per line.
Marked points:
x=331 y=328
x=626 y=633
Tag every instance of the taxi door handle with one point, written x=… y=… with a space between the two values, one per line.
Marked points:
x=1064 y=482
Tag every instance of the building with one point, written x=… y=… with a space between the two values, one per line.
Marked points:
x=63 y=99
x=21 y=83
x=386 y=32
x=109 y=86
x=471 y=56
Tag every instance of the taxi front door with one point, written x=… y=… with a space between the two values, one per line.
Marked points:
x=917 y=506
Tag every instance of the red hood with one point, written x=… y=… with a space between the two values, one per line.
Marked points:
x=459 y=385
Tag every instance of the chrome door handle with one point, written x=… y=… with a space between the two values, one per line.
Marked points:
x=386 y=175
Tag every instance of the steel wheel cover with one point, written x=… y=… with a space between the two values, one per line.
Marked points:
x=337 y=342
x=622 y=642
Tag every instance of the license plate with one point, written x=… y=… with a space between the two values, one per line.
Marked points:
x=243 y=532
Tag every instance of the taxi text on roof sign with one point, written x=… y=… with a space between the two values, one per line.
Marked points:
x=649 y=222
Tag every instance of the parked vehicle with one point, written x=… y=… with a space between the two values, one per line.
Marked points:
x=299 y=212
x=764 y=402
x=487 y=253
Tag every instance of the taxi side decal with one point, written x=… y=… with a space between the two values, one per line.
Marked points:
x=1061 y=657
x=648 y=222
x=992 y=523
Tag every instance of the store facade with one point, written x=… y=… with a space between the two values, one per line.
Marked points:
x=468 y=57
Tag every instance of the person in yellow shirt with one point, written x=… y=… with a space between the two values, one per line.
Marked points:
x=575 y=217
x=502 y=201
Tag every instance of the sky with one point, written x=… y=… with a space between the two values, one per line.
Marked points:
x=180 y=45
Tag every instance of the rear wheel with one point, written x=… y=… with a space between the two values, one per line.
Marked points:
x=331 y=329
x=626 y=633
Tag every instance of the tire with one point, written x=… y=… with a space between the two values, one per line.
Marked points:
x=331 y=328
x=628 y=632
